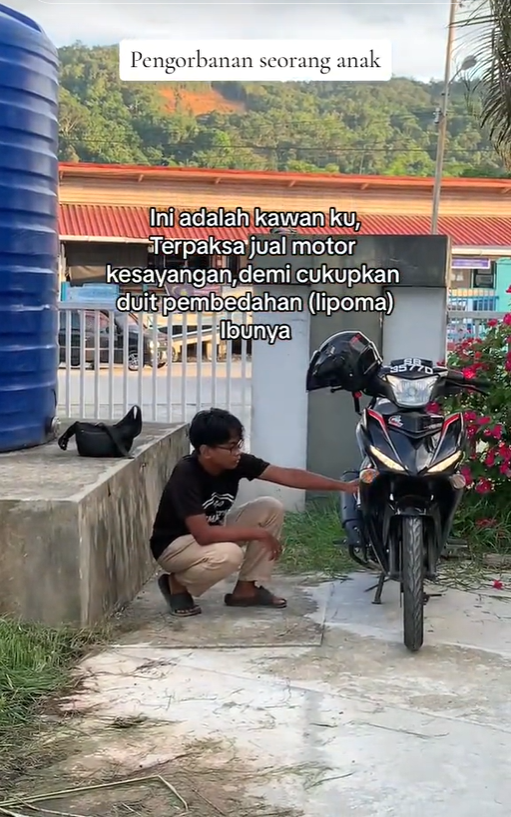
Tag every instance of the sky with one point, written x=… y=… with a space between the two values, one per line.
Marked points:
x=417 y=30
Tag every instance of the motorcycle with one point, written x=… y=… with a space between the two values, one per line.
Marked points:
x=410 y=481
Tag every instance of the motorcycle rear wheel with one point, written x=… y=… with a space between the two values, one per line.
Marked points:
x=413 y=582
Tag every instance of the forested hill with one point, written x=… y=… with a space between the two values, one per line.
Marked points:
x=332 y=127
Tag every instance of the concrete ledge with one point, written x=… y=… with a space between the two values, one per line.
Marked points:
x=74 y=532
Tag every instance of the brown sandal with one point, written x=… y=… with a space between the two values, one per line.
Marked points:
x=261 y=598
x=180 y=605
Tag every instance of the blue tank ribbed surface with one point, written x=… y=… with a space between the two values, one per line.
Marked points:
x=29 y=239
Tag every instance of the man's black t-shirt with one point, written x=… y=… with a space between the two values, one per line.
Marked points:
x=191 y=491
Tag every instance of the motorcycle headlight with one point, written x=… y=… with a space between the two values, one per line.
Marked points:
x=443 y=465
x=386 y=461
x=412 y=393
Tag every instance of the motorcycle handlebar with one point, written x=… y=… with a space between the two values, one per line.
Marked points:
x=459 y=379
x=451 y=377
x=454 y=375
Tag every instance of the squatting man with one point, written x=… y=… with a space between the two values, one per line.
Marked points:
x=199 y=539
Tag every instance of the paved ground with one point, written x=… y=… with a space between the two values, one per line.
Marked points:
x=172 y=394
x=315 y=712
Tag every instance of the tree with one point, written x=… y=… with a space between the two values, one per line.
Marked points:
x=492 y=20
x=384 y=128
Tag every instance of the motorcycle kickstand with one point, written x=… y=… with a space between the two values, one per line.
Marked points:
x=427 y=596
x=379 y=589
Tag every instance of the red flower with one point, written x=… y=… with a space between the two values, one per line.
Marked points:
x=485 y=523
x=469 y=373
x=470 y=416
x=492 y=322
x=498 y=584
x=467 y=473
x=433 y=408
x=483 y=421
x=506 y=320
x=489 y=460
x=484 y=486
x=495 y=432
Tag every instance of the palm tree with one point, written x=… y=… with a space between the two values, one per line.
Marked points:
x=492 y=21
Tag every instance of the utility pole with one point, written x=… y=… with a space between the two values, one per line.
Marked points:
x=442 y=121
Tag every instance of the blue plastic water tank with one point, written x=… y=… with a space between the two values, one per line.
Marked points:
x=29 y=239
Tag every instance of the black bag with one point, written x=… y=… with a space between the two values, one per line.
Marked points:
x=102 y=440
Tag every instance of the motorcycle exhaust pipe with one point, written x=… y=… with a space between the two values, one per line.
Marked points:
x=349 y=512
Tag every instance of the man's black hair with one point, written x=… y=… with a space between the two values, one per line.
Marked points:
x=213 y=427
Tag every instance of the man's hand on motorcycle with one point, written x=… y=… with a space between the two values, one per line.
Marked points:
x=273 y=546
x=351 y=487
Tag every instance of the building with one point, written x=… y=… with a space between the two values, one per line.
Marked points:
x=104 y=216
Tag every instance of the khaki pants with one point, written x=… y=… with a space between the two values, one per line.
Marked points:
x=200 y=567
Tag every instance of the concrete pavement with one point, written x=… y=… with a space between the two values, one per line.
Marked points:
x=317 y=711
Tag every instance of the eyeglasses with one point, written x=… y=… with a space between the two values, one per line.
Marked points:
x=232 y=448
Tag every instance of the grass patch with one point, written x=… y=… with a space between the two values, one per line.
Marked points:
x=35 y=663
x=310 y=539
x=485 y=525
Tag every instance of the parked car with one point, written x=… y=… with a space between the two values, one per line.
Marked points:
x=190 y=339
x=122 y=323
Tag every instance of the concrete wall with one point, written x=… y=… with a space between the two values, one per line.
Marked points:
x=419 y=327
x=74 y=533
x=279 y=401
x=331 y=445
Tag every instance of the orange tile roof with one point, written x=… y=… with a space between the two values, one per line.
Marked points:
x=90 y=221
x=169 y=174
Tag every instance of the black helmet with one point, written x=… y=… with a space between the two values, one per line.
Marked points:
x=347 y=360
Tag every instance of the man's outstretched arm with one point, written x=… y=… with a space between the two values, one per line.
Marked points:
x=305 y=480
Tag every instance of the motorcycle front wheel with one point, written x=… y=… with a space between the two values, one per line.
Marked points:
x=412 y=571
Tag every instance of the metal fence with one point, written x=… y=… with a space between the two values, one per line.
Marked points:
x=463 y=324
x=186 y=365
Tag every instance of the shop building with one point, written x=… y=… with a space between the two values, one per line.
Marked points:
x=104 y=218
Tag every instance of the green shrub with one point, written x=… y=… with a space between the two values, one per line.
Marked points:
x=487 y=469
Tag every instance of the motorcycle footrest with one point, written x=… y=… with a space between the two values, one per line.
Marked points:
x=341 y=543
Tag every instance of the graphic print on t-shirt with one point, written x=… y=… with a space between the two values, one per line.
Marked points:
x=217 y=506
